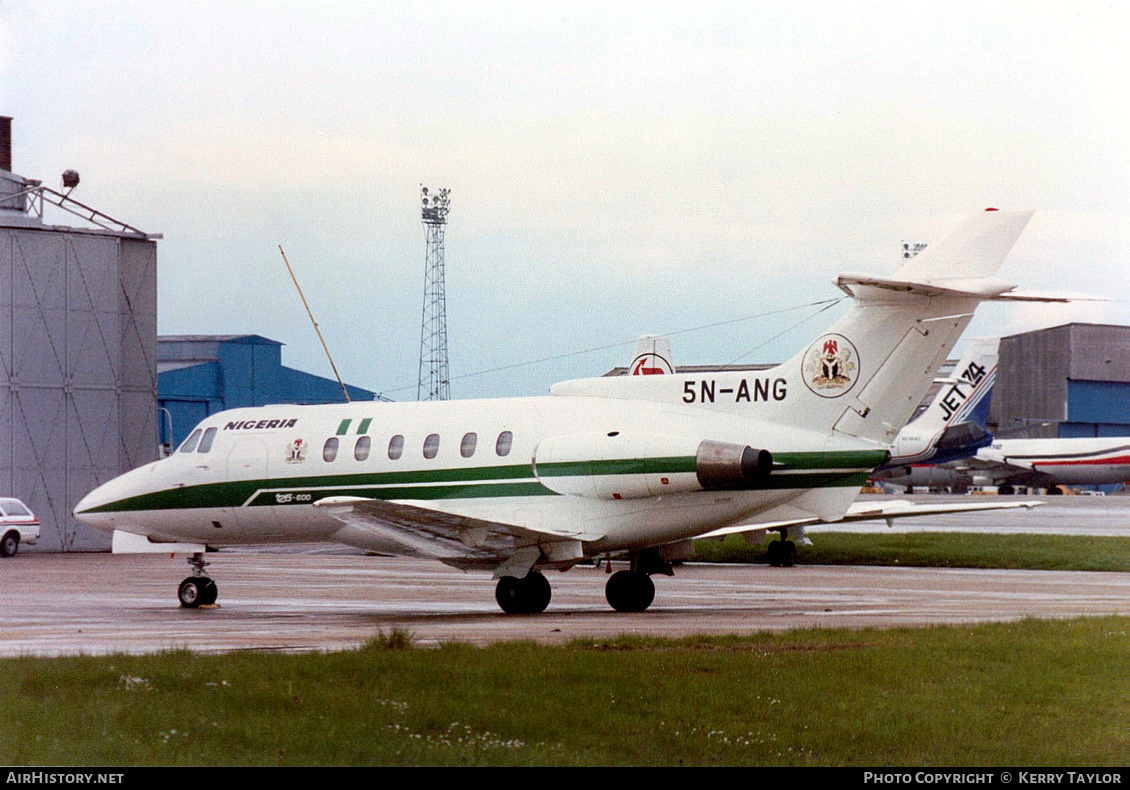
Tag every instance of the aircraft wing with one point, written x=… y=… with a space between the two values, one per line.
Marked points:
x=875 y=511
x=995 y=469
x=461 y=541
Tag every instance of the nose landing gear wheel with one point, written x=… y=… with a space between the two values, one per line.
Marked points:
x=196 y=591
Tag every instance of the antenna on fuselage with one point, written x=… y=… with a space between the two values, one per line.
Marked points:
x=315 y=323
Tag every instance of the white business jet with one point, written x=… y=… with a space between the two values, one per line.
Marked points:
x=630 y=465
x=1042 y=463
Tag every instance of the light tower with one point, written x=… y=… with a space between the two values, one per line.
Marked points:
x=433 y=382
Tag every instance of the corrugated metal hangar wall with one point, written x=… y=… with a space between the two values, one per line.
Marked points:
x=78 y=362
x=1069 y=380
x=78 y=372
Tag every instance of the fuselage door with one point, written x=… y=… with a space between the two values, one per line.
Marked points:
x=246 y=472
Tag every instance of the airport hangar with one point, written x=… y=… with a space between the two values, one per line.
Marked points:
x=88 y=390
x=199 y=375
x=1065 y=381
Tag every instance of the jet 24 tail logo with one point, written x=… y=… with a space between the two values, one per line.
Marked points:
x=830 y=366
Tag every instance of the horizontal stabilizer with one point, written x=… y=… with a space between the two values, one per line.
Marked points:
x=985 y=288
x=961 y=265
x=975 y=288
x=1050 y=296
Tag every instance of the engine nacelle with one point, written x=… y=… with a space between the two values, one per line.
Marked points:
x=724 y=465
x=635 y=465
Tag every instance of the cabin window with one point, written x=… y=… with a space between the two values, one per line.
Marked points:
x=329 y=451
x=190 y=443
x=431 y=445
x=361 y=449
x=467 y=446
x=395 y=447
x=206 y=441
x=504 y=443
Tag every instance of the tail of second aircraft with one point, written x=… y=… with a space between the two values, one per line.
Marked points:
x=652 y=357
x=867 y=373
x=955 y=424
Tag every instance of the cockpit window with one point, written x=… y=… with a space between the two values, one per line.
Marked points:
x=190 y=443
x=206 y=441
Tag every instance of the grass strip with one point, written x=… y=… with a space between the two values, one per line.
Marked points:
x=939 y=550
x=1031 y=693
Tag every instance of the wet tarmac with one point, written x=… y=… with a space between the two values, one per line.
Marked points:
x=53 y=604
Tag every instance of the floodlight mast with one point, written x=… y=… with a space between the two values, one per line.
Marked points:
x=433 y=383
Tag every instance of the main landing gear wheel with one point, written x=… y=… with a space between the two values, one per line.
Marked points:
x=629 y=591
x=782 y=553
x=1006 y=490
x=529 y=595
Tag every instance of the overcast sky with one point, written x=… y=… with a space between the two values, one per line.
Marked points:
x=615 y=168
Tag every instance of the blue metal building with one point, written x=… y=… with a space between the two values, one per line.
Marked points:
x=1071 y=380
x=199 y=375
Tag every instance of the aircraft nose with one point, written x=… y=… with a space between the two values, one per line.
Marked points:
x=91 y=508
x=89 y=502
x=95 y=509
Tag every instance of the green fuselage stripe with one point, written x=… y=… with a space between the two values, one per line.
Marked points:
x=850 y=459
x=513 y=480
x=626 y=466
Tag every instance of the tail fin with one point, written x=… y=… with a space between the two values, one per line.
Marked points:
x=865 y=375
x=652 y=357
x=954 y=425
x=975 y=249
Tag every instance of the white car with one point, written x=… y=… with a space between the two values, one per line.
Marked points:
x=17 y=524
